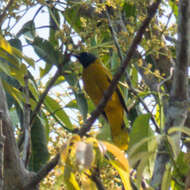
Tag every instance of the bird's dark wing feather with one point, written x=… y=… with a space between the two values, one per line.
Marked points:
x=120 y=97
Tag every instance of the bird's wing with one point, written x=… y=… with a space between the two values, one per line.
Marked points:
x=118 y=91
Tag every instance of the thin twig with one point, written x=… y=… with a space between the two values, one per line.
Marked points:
x=44 y=94
x=26 y=123
x=43 y=172
x=51 y=83
x=2 y=141
x=114 y=35
x=3 y=15
x=151 y=12
x=146 y=108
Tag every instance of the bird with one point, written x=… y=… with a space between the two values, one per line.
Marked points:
x=96 y=80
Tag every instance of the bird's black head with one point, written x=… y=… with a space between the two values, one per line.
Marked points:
x=85 y=58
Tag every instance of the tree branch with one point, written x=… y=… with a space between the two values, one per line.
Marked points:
x=51 y=83
x=2 y=141
x=26 y=123
x=151 y=12
x=177 y=108
x=35 y=180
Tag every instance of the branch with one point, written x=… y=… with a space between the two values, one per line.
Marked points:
x=177 y=108
x=3 y=15
x=114 y=35
x=97 y=181
x=44 y=94
x=143 y=103
x=26 y=123
x=51 y=83
x=35 y=180
x=108 y=93
x=2 y=141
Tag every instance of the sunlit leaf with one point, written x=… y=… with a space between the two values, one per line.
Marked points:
x=69 y=178
x=124 y=174
x=119 y=155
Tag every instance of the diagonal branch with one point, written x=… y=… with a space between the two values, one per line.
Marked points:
x=151 y=12
x=35 y=180
x=51 y=83
x=26 y=123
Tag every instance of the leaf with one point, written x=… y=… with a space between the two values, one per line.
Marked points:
x=130 y=9
x=14 y=92
x=54 y=23
x=28 y=30
x=33 y=89
x=174 y=6
x=46 y=51
x=40 y=154
x=125 y=176
x=179 y=129
x=45 y=71
x=15 y=42
x=82 y=104
x=69 y=178
x=119 y=155
x=166 y=181
x=134 y=77
x=58 y=111
x=72 y=16
x=5 y=46
x=139 y=131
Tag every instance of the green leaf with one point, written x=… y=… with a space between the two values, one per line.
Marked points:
x=16 y=43
x=82 y=104
x=142 y=140
x=134 y=77
x=45 y=71
x=28 y=30
x=46 y=51
x=130 y=9
x=14 y=92
x=54 y=23
x=33 y=89
x=140 y=130
x=55 y=109
x=179 y=129
x=174 y=7
x=72 y=16
x=16 y=53
x=69 y=178
x=40 y=153
x=166 y=181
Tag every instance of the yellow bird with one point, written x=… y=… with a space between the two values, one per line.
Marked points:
x=96 y=79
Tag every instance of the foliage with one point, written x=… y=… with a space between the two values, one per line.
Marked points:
x=76 y=26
